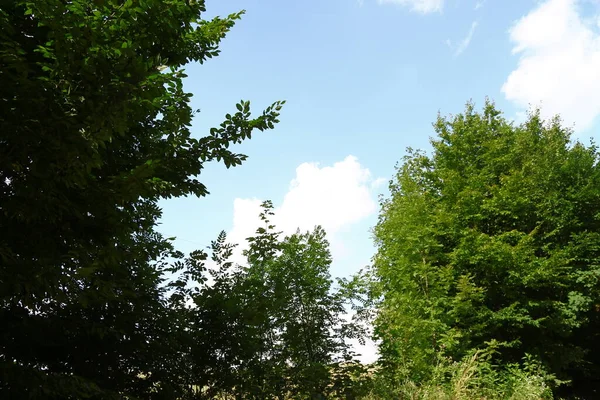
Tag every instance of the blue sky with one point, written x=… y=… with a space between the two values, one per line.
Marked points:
x=363 y=80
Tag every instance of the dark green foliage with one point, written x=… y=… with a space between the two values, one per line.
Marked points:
x=492 y=239
x=92 y=135
x=274 y=327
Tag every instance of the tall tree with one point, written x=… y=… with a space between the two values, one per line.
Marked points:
x=492 y=238
x=310 y=312
x=308 y=330
x=275 y=326
x=94 y=130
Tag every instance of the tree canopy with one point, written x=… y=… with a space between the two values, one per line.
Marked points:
x=491 y=241
x=94 y=130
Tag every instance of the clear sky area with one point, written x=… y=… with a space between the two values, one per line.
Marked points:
x=363 y=81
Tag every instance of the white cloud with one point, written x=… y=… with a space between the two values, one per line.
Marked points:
x=421 y=6
x=479 y=4
x=378 y=182
x=245 y=222
x=369 y=353
x=334 y=197
x=463 y=44
x=559 y=66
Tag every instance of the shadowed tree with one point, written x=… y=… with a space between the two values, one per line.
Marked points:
x=94 y=130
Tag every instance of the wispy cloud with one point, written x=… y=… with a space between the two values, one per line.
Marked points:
x=479 y=4
x=463 y=44
x=420 y=6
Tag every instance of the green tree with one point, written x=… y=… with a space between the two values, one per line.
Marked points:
x=274 y=327
x=308 y=333
x=94 y=130
x=492 y=239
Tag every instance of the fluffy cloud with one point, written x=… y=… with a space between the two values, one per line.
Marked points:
x=559 y=63
x=421 y=6
x=334 y=197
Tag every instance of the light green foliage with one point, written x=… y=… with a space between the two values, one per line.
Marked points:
x=473 y=377
x=492 y=237
x=94 y=130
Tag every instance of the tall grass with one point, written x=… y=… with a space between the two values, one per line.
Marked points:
x=473 y=378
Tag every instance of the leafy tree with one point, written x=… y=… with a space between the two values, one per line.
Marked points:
x=492 y=240
x=275 y=326
x=94 y=130
x=308 y=332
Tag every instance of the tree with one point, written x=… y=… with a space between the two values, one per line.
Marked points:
x=94 y=130
x=492 y=240
x=309 y=312
x=275 y=326
x=308 y=333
